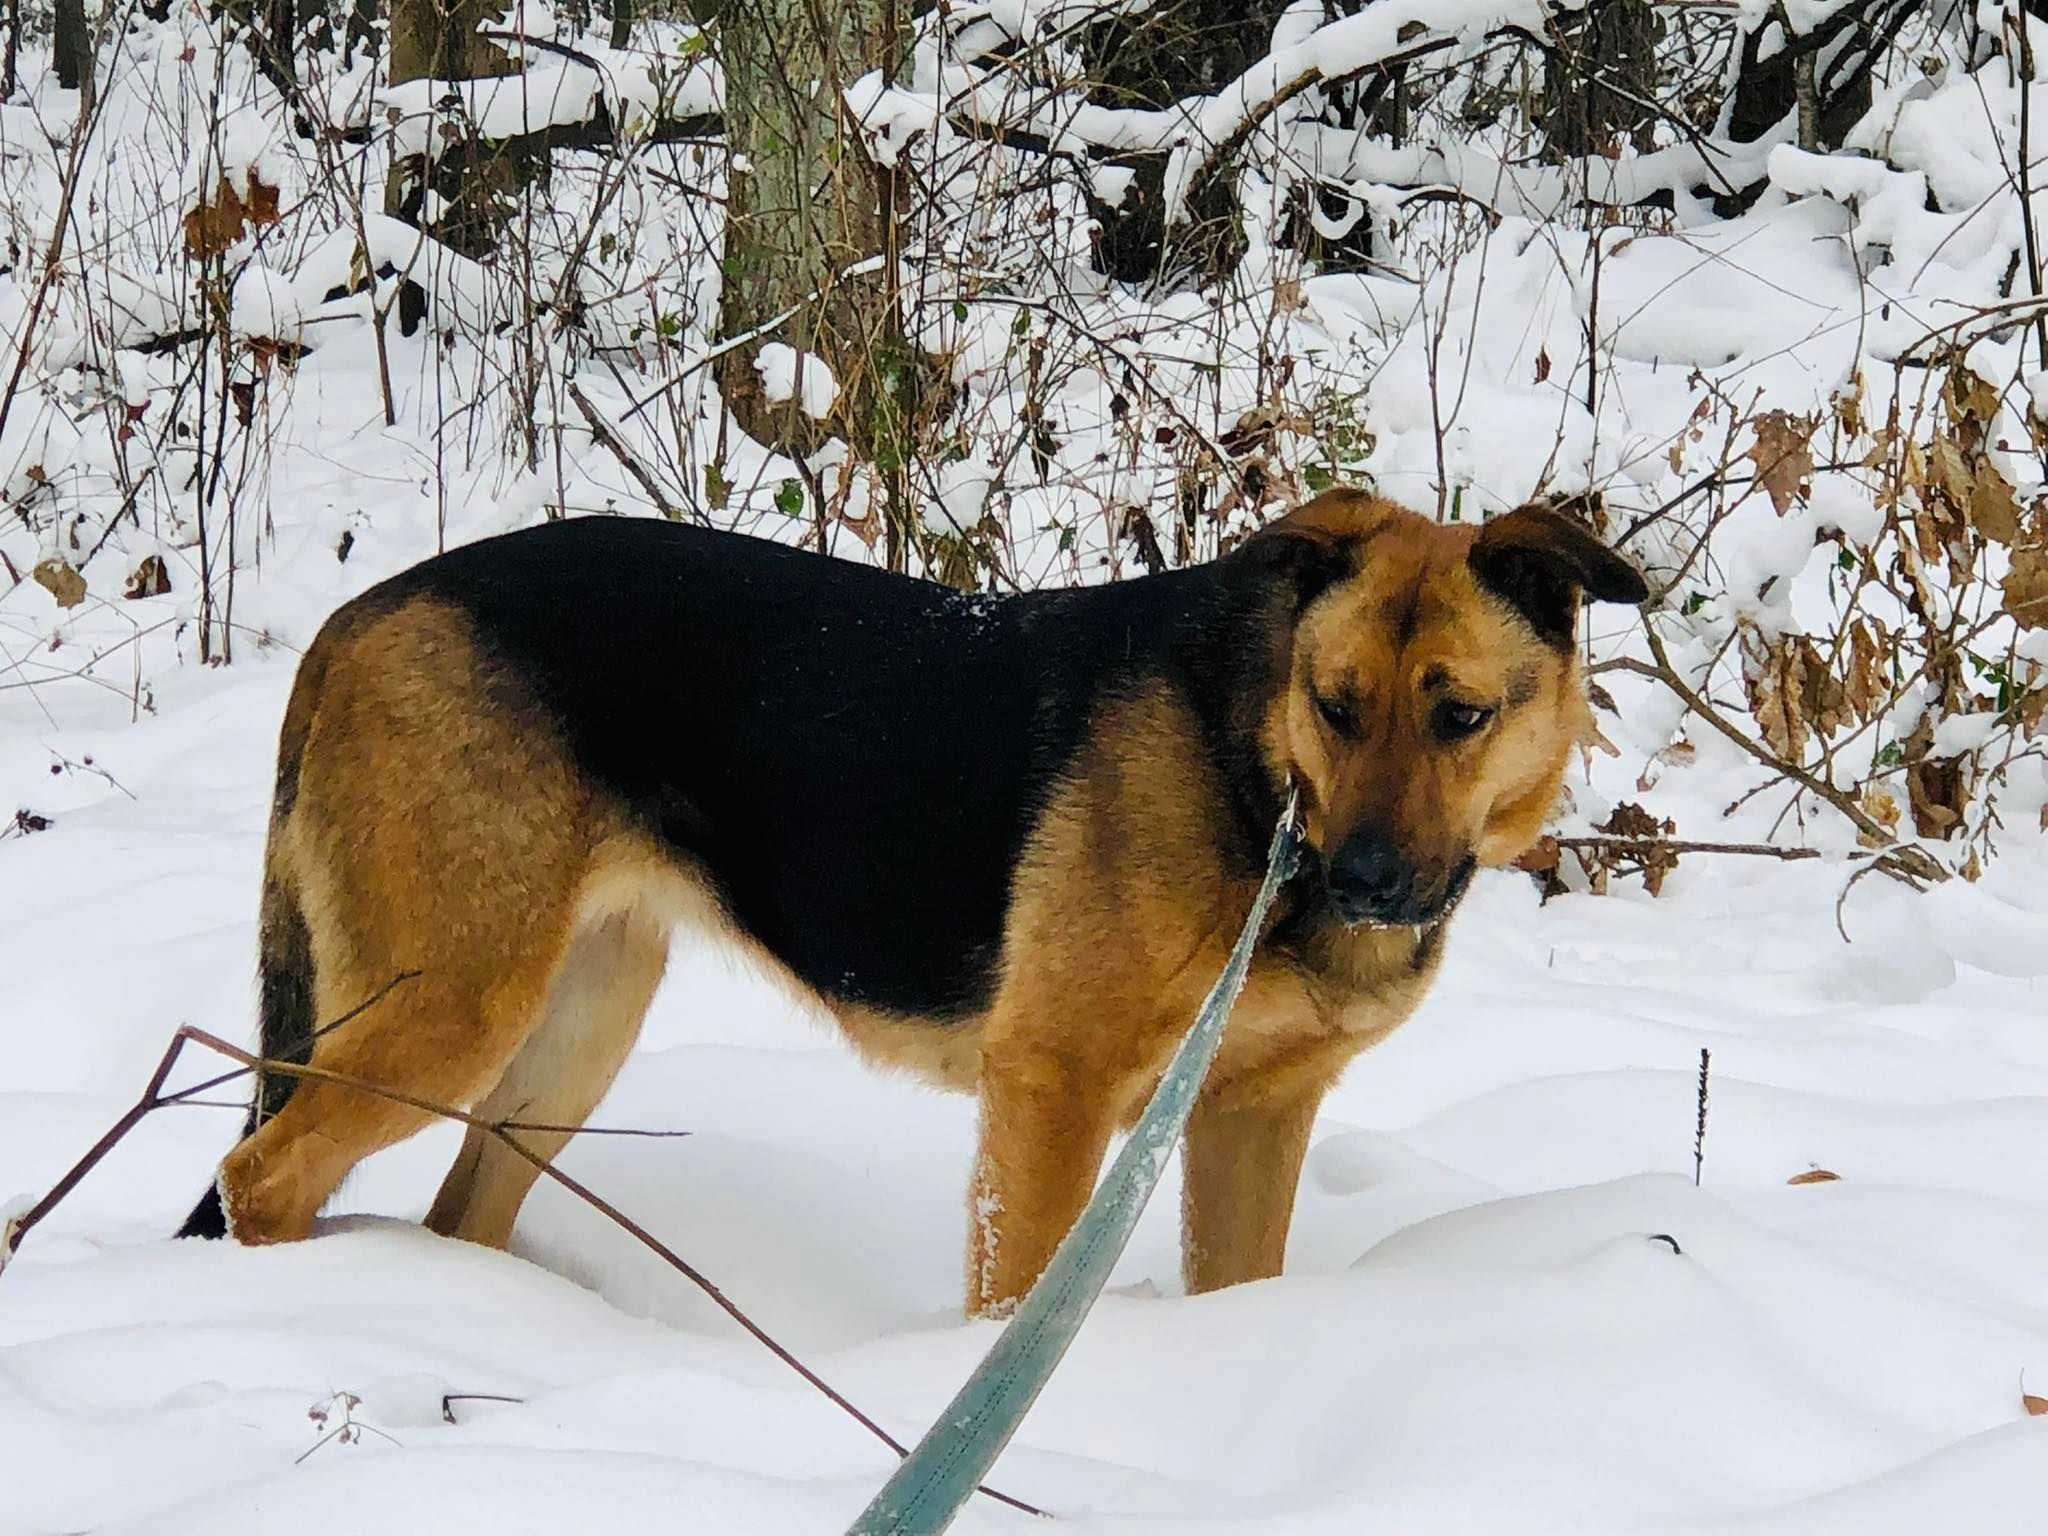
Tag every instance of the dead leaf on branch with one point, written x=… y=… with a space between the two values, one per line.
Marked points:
x=1680 y=753
x=1815 y=1176
x=150 y=579
x=61 y=580
x=1541 y=862
x=1882 y=807
x=1848 y=407
x=1648 y=834
x=1952 y=475
x=1775 y=673
x=2026 y=586
x=1994 y=510
x=1793 y=692
x=1937 y=789
x=1867 y=687
x=230 y=212
x=1968 y=395
x=1783 y=455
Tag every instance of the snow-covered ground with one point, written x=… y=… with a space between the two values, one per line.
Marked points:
x=1507 y=1307
x=1480 y=1328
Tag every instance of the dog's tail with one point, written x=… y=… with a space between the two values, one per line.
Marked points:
x=285 y=972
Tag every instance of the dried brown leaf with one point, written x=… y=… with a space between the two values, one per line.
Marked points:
x=1937 y=789
x=1882 y=807
x=1994 y=511
x=2026 y=586
x=1815 y=1176
x=1783 y=455
x=1633 y=821
x=61 y=580
x=1969 y=395
x=149 y=579
x=1866 y=686
x=1822 y=698
x=1951 y=475
x=1776 y=674
x=1849 y=408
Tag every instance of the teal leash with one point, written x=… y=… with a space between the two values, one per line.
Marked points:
x=942 y=1471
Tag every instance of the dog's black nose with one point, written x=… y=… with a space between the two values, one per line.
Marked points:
x=1370 y=880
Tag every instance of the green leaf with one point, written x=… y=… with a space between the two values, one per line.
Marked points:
x=789 y=499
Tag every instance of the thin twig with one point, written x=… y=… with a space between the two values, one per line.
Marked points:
x=609 y=439
x=1652 y=845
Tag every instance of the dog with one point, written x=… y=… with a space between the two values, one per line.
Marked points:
x=1005 y=842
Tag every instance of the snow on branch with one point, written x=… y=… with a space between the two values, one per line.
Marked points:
x=1351 y=45
x=624 y=95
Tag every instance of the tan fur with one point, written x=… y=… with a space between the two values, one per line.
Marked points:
x=433 y=831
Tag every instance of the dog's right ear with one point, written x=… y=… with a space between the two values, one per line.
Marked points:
x=1316 y=545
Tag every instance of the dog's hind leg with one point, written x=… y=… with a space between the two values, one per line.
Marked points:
x=591 y=1019
x=433 y=1037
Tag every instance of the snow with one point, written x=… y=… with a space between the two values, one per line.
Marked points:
x=550 y=92
x=1479 y=1326
x=786 y=373
x=264 y=305
x=1506 y=1305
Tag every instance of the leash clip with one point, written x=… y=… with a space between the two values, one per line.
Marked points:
x=1291 y=841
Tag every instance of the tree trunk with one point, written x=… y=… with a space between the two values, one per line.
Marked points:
x=804 y=205
x=9 y=66
x=1155 y=57
x=437 y=40
x=71 y=47
x=478 y=182
x=1599 y=79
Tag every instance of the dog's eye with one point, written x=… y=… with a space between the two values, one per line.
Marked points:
x=1454 y=721
x=1337 y=714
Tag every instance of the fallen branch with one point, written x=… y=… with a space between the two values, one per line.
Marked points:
x=154 y=1098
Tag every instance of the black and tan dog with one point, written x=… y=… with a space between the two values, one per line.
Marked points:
x=1006 y=842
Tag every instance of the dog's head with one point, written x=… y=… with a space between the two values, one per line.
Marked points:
x=1428 y=692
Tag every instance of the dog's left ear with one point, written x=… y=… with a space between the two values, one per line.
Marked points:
x=1540 y=563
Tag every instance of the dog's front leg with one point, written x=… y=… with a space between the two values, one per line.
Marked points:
x=1243 y=1162
x=1045 y=1123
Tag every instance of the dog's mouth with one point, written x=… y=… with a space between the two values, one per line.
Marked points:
x=1421 y=911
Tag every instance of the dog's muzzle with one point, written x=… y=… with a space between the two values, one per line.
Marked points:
x=1371 y=883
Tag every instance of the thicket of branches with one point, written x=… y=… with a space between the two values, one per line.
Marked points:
x=1036 y=291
